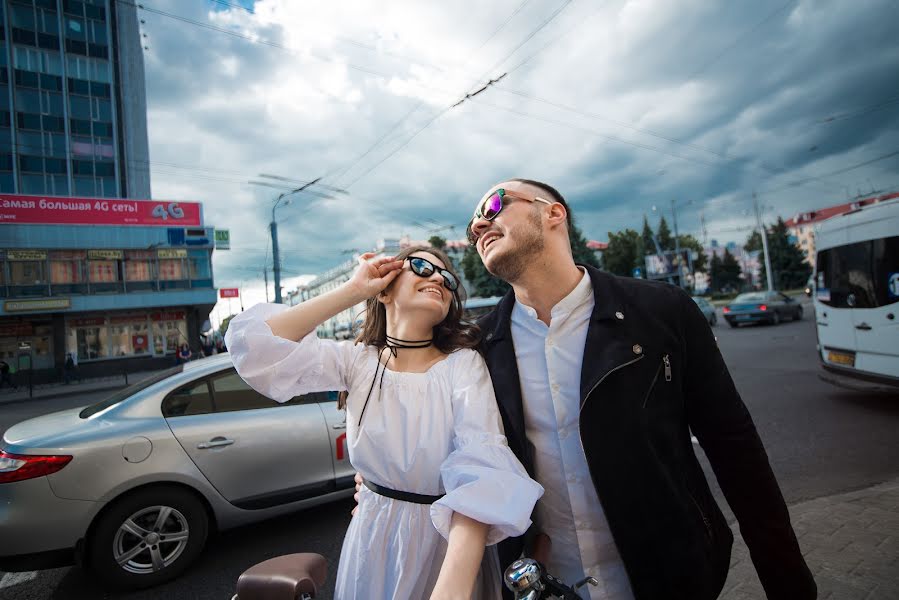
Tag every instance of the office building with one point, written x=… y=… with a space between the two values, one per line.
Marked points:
x=72 y=101
x=119 y=283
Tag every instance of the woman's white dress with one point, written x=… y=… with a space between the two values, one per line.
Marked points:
x=429 y=433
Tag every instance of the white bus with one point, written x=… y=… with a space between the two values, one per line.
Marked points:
x=857 y=297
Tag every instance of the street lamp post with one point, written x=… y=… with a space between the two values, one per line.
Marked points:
x=764 y=234
x=273 y=226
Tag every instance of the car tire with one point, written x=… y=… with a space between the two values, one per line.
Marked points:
x=733 y=324
x=775 y=320
x=121 y=551
x=797 y=316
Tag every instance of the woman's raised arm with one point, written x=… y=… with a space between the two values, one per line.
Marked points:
x=369 y=279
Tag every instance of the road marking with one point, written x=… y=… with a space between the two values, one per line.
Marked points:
x=11 y=579
x=693 y=439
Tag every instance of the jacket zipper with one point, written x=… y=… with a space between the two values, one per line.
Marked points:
x=651 y=386
x=667 y=362
x=601 y=379
x=705 y=520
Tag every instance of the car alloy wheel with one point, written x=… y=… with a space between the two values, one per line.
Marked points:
x=776 y=319
x=151 y=539
x=147 y=537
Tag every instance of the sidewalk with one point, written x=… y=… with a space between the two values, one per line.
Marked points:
x=850 y=542
x=58 y=389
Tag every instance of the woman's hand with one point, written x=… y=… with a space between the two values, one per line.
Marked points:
x=371 y=277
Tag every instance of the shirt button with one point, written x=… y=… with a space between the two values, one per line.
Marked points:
x=550 y=343
x=555 y=387
x=563 y=433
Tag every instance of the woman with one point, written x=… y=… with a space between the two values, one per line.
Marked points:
x=423 y=428
x=184 y=353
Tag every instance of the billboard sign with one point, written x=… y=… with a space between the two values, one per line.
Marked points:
x=229 y=293
x=668 y=264
x=56 y=210
x=222 y=239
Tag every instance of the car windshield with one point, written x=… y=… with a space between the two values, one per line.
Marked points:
x=753 y=297
x=128 y=392
x=698 y=300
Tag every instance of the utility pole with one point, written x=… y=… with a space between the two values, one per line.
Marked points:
x=680 y=268
x=764 y=234
x=265 y=276
x=273 y=226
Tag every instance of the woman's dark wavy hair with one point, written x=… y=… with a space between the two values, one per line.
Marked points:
x=450 y=335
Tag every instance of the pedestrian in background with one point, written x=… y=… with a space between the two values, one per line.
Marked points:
x=70 y=368
x=6 y=375
x=184 y=353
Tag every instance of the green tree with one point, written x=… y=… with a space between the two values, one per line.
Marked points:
x=437 y=242
x=753 y=242
x=788 y=266
x=224 y=326
x=624 y=253
x=579 y=250
x=481 y=283
x=687 y=241
x=649 y=246
x=725 y=272
x=666 y=240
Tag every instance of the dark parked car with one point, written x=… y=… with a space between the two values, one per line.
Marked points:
x=762 y=307
x=707 y=309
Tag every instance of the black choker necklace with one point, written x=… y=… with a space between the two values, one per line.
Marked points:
x=392 y=344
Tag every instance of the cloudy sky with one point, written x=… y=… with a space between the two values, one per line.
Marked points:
x=621 y=104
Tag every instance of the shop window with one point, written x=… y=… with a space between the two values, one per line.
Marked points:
x=22 y=16
x=91 y=342
x=168 y=336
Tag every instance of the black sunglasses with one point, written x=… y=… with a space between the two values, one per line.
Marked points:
x=425 y=268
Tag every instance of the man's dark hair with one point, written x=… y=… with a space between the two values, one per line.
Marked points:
x=554 y=196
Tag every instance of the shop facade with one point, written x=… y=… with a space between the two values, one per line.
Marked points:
x=119 y=289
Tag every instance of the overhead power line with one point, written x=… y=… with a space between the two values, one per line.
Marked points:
x=832 y=173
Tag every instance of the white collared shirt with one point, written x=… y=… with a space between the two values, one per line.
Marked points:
x=549 y=366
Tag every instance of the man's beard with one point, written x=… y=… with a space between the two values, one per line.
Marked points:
x=510 y=266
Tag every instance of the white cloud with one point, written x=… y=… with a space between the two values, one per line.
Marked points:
x=686 y=100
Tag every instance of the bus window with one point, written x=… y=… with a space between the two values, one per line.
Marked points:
x=845 y=278
x=885 y=259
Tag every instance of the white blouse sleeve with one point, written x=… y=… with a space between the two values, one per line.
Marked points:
x=482 y=477
x=280 y=368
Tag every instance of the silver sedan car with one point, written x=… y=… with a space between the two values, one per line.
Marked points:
x=132 y=486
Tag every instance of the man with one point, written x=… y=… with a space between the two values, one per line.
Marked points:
x=600 y=381
x=6 y=375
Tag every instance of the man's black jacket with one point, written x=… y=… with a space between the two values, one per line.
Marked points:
x=652 y=373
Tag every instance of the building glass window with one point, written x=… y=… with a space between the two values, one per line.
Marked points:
x=32 y=184
x=91 y=343
x=84 y=186
x=27 y=272
x=22 y=16
x=139 y=265
x=66 y=266
x=198 y=261
x=171 y=269
x=168 y=335
x=103 y=271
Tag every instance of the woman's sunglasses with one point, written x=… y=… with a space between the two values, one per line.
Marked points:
x=425 y=268
x=492 y=205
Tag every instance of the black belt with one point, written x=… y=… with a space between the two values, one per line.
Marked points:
x=404 y=496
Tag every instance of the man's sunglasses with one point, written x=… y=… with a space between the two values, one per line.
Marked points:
x=425 y=268
x=492 y=205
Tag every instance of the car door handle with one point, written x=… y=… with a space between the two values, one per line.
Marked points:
x=218 y=442
x=864 y=327
x=339 y=426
